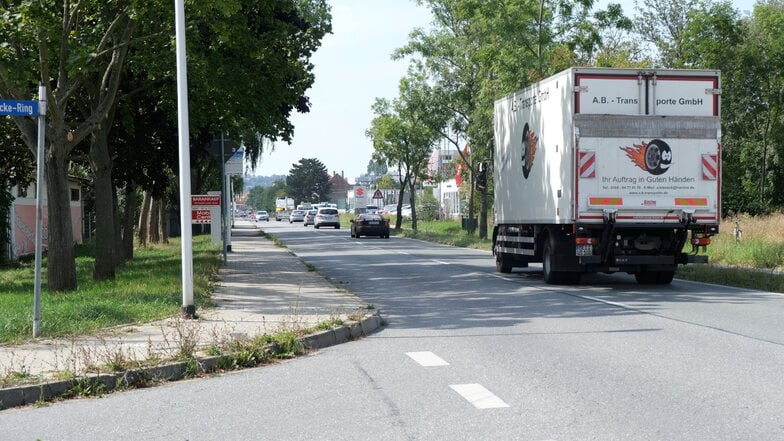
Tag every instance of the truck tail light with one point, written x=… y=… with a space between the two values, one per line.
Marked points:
x=700 y=241
x=584 y=246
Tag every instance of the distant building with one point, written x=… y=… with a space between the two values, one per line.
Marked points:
x=339 y=189
x=22 y=218
x=446 y=189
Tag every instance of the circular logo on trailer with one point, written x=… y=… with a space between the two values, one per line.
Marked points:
x=655 y=157
x=529 y=149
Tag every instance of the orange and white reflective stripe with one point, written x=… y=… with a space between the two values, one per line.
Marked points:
x=710 y=166
x=700 y=202
x=587 y=164
x=605 y=201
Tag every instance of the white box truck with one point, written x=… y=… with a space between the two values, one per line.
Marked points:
x=283 y=208
x=608 y=170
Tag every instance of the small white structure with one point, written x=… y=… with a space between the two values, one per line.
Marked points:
x=22 y=218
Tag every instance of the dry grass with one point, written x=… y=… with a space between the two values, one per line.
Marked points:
x=759 y=242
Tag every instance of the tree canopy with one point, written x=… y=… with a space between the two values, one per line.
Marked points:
x=308 y=181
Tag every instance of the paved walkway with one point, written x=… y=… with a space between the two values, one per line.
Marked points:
x=263 y=288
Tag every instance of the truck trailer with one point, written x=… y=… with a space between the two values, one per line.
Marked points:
x=283 y=208
x=600 y=170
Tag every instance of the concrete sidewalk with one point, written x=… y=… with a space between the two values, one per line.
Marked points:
x=262 y=289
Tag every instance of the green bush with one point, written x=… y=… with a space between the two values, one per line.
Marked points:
x=427 y=206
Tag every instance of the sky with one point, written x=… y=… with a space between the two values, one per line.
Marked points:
x=352 y=68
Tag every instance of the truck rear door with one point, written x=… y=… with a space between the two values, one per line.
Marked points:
x=648 y=146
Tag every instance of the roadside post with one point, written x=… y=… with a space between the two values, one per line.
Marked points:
x=34 y=108
x=188 y=307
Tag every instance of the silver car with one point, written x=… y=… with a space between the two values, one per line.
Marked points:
x=327 y=217
x=297 y=216
x=310 y=217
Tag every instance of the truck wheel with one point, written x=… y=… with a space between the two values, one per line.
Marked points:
x=503 y=263
x=550 y=277
x=556 y=277
x=665 y=277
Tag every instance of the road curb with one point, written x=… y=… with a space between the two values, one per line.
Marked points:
x=144 y=377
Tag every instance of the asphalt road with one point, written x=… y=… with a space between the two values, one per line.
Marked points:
x=470 y=354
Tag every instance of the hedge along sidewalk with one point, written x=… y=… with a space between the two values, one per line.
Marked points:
x=262 y=289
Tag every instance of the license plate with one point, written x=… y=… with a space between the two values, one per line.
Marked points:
x=372 y=223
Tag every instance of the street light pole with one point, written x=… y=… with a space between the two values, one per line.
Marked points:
x=188 y=307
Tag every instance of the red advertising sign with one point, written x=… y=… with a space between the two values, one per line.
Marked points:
x=205 y=200
x=360 y=191
x=201 y=216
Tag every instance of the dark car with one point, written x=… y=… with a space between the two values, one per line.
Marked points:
x=370 y=224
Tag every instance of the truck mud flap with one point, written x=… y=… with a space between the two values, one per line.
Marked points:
x=693 y=258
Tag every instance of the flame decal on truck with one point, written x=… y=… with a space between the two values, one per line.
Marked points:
x=529 y=149
x=654 y=157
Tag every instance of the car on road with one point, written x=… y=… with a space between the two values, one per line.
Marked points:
x=310 y=217
x=405 y=212
x=371 y=209
x=297 y=216
x=262 y=216
x=370 y=224
x=327 y=217
x=388 y=209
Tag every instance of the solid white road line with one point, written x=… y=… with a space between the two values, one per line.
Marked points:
x=427 y=359
x=477 y=395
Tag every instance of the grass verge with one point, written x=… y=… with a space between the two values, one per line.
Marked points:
x=146 y=288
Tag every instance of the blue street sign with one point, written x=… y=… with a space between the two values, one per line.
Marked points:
x=18 y=108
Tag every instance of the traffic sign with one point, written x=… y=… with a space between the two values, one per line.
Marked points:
x=378 y=195
x=18 y=108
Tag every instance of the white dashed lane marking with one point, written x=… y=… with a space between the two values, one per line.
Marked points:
x=477 y=395
x=427 y=359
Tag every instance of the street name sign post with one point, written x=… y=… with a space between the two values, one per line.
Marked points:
x=38 y=109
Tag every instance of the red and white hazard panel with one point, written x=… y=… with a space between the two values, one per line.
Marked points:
x=587 y=164
x=710 y=166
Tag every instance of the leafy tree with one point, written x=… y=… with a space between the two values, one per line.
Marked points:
x=234 y=46
x=385 y=182
x=663 y=24
x=308 y=181
x=404 y=131
x=76 y=44
x=479 y=51
x=377 y=167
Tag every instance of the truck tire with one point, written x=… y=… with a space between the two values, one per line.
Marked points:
x=552 y=277
x=503 y=264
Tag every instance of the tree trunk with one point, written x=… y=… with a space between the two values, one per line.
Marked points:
x=399 y=220
x=119 y=257
x=153 y=229
x=483 y=214
x=144 y=221
x=129 y=216
x=101 y=165
x=61 y=263
x=471 y=206
x=162 y=224
x=412 y=201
